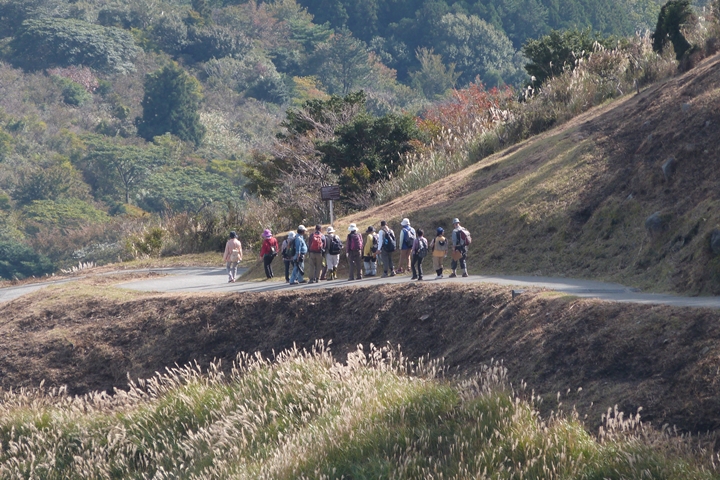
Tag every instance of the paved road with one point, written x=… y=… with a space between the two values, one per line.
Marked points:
x=201 y=279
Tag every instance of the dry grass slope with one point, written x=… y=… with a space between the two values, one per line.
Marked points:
x=574 y=200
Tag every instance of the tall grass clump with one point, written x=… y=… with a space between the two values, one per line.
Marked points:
x=476 y=123
x=304 y=415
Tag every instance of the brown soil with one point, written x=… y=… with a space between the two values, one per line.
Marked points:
x=664 y=359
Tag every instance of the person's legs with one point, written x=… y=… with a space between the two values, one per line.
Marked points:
x=463 y=263
x=373 y=266
x=295 y=273
x=310 y=266
x=266 y=263
x=419 y=267
x=414 y=272
x=453 y=266
x=287 y=270
x=229 y=271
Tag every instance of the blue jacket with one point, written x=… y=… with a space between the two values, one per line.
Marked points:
x=300 y=247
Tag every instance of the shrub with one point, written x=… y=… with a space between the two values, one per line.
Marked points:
x=21 y=261
x=70 y=213
x=50 y=42
x=72 y=93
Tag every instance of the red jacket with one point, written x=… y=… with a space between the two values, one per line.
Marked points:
x=267 y=243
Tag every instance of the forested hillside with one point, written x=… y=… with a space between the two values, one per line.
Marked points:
x=142 y=127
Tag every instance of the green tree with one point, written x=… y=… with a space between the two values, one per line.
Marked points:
x=343 y=63
x=54 y=180
x=674 y=17
x=476 y=48
x=170 y=105
x=188 y=189
x=434 y=78
x=556 y=51
x=109 y=165
x=49 y=42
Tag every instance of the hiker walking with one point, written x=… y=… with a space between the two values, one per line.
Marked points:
x=332 y=257
x=268 y=252
x=232 y=256
x=316 y=250
x=354 y=246
x=407 y=238
x=300 y=250
x=370 y=252
x=460 y=239
x=439 y=248
x=386 y=241
x=419 y=252
x=287 y=254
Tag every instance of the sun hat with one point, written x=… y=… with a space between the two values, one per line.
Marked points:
x=456 y=220
x=301 y=228
x=370 y=229
x=440 y=230
x=233 y=234
x=291 y=235
x=267 y=233
x=405 y=222
x=352 y=227
x=330 y=230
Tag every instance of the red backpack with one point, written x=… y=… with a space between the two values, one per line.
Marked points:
x=354 y=242
x=316 y=243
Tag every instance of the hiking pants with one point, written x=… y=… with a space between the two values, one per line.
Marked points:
x=332 y=261
x=355 y=261
x=314 y=265
x=416 y=260
x=267 y=263
x=387 y=261
x=370 y=266
x=405 y=255
x=232 y=270
x=287 y=269
x=462 y=261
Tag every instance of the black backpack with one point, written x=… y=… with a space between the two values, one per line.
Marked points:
x=335 y=245
x=389 y=244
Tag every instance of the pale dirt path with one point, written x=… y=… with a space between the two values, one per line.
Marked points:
x=213 y=280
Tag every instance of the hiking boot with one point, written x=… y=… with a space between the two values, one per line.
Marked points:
x=384 y=275
x=452 y=275
x=419 y=279
x=302 y=281
x=414 y=277
x=438 y=277
x=392 y=274
x=465 y=274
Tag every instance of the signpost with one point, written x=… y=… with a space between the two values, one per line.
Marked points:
x=329 y=194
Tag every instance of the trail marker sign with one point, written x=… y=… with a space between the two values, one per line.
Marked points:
x=329 y=193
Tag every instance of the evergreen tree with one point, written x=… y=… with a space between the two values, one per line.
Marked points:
x=170 y=105
x=674 y=16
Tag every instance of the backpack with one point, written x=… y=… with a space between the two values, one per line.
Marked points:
x=422 y=250
x=289 y=250
x=335 y=245
x=389 y=244
x=374 y=247
x=354 y=242
x=464 y=237
x=440 y=245
x=409 y=237
x=317 y=243
x=235 y=255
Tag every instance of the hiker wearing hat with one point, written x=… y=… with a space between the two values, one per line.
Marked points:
x=370 y=252
x=298 y=259
x=316 y=251
x=460 y=240
x=268 y=252
x=386 y=240
x=354 y=248
x=232 y=256
x=407 y=239
x=287 y=252
x=419 y=252
x=332 y=257
x=439 y=248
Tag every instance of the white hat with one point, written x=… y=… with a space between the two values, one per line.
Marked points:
x=330 y=229
x=301 y=228
x=405 y=222
x=456 y=220
x=352 y=227
x=291 y=235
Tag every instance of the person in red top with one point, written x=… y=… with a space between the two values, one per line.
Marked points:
x=268 y=251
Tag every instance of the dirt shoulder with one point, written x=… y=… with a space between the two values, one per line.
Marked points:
x=91 y=336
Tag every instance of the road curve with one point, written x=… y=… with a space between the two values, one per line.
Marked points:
x=207 y=280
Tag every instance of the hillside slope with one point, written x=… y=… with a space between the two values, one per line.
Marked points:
x=575 y=201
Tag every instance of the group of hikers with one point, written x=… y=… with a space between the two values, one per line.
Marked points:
x=317 y=255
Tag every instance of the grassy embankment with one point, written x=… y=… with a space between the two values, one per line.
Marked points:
x=305 y=416
x=574 y=201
